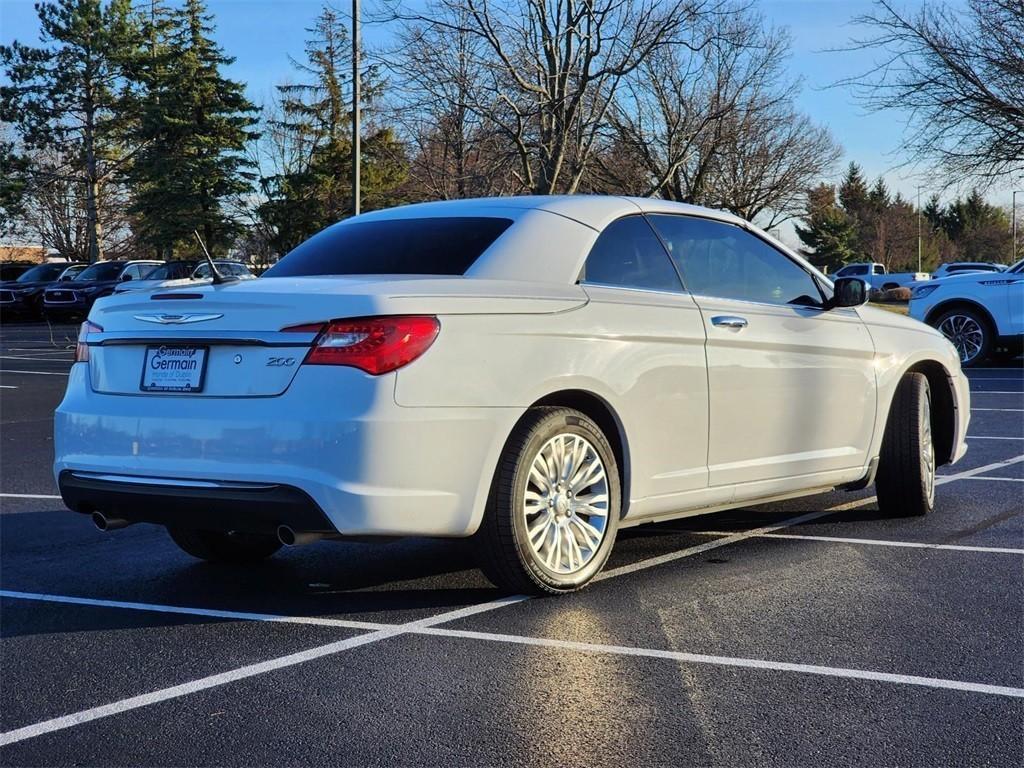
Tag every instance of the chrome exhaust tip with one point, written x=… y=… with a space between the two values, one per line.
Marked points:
x=104 y=523
x=292 y=538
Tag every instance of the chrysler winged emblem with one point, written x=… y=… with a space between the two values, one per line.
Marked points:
x=166 y=319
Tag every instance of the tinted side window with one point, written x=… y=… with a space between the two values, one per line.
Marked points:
x=432 y=246
x=628 y=254
x=878 y=269
x=719 y=259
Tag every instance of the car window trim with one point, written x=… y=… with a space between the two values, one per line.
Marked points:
x=742 y=228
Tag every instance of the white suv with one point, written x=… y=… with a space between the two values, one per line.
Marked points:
x=980 y=312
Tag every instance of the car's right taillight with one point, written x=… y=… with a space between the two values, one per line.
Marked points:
x=373 y=344
x=82 y=347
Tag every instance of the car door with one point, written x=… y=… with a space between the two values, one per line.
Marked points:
x=791 y=385
x=649 y=335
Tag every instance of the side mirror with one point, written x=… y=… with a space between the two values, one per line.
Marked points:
x=848 y=292
x=125 y=277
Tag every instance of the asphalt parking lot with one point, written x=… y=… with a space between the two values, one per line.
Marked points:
x=810 y=632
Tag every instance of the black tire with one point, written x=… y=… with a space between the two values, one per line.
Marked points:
x=224 y=547
x=949 y=321
x=502 y=542
x=905 y=483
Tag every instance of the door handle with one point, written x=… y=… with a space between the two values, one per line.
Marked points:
x=729 y=321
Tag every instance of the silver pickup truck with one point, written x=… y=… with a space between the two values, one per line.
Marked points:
x=876 y=277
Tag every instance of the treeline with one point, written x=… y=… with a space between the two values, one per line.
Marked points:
x=123 y=133
x=852 y=222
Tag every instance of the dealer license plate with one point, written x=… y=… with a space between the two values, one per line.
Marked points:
x=168 y=368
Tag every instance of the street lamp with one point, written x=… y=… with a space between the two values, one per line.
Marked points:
x=918 y=227
x=1013 y=218
x=356 y=149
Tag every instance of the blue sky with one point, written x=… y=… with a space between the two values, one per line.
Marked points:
x=261 y=34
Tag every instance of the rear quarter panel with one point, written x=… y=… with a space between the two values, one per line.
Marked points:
x=642 y=354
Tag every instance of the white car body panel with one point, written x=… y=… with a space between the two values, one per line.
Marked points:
x=794 y=403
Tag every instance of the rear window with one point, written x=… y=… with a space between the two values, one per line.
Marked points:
x=435 y=246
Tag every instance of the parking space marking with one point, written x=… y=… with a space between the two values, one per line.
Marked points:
x=731 y=661
x=997 y=392
x=1005 y=410
x=1003 y=479
x=27 y=496
x=177 y=691
x=186 y=611
x=875 y=542
x=37 y=373
x=990 y=437
x=36 y=359
x=241 y=673
x=701 y=548
x=7 y=386
x=418 y=627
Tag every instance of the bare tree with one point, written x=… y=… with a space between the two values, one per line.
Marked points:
x=456 y=150
x=712 y=122
x=960 y=76
x=546 y=71
x=57 y=216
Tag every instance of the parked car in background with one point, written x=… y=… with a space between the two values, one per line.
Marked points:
x=877 y=278
x=76 y=297
x=177 y=273
x=960 y=267
x=533 y=372
x=979 y=312
x=12 y=271
x=24 y=297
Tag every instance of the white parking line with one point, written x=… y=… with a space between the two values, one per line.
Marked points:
x=731 y=661
x=77 y=718
x=7 y=386
x=201 y=612
x=38 y=359
x=1004 y=410
x=1004 y=479
x=872 y=542
x=417 y=627
x=992 y=437
x=37 y=373
x=27 y=496
x=997 y=392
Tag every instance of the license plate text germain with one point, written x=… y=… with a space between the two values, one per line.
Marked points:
x=175 y=359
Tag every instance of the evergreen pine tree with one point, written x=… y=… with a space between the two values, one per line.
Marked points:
x=829 y=234
x=194 y=124
x=67 y=96
x=316 y=125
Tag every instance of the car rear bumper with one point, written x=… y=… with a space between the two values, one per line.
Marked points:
x=335 y=436
x=201 y=505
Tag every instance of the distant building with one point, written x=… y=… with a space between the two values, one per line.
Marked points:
x=36 y=254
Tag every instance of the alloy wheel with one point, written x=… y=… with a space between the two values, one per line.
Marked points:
x=927 y=451
x=566 y=503
x=966 y=334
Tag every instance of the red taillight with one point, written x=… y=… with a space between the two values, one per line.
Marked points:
x=372 y=344
x=82 y=347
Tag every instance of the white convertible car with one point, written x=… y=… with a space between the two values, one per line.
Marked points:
x=533 y=372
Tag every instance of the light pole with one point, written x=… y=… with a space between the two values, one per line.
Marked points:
x=356 y=149
x=1013 y=217
x=919 y=228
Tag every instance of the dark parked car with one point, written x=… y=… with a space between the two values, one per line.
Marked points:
x=23 y=297
x=14 y=271
x=77 y=296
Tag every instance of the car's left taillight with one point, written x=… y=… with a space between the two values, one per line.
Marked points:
x=375 y=345
x=82 y=347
